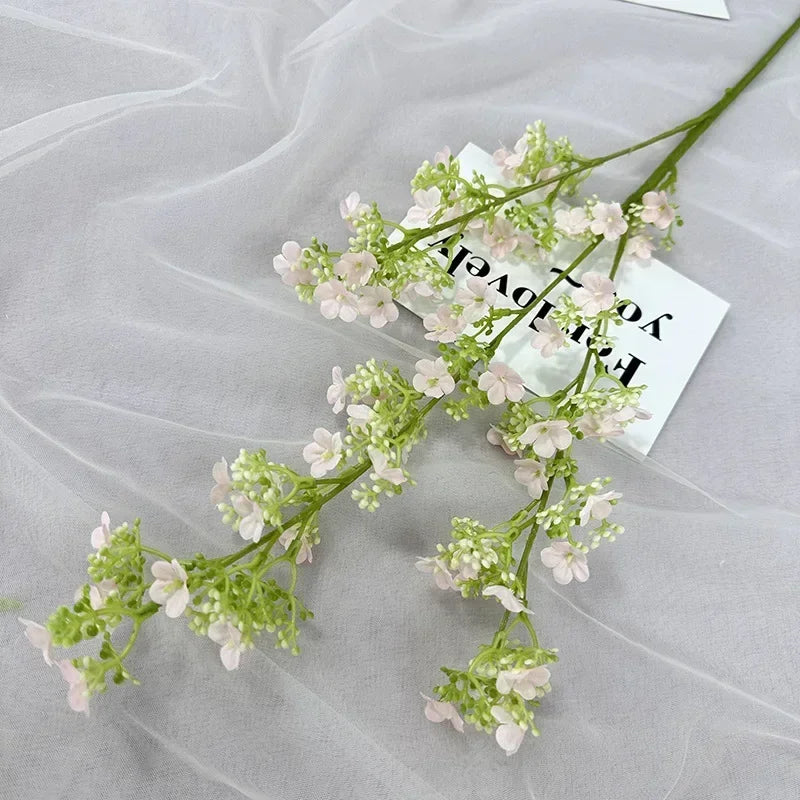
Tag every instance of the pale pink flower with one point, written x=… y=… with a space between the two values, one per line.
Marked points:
x=169 y=588
x=78 y=692
x=39 y=637
x=290 y=267
x=380 y=463
x=416 y=290
x=337 y=391
x=432 y=378
x=101 y=535
x=657 y=210
x=324 y=453
x=437 y=567
x=355 y=269
x=532 y=475
x=443 y=156
x=336 y=300
x=572 y=222
x=607 y=424
x=507 y=599
x=511 y=160
x=608 y=221
x=596 y=294
x=598 y=506
x=443 y=326
x=251 y=524
x=358 y=414
x=351 y=208
x=566 y=562
x=502 y=238
x=376 y=303
x=509 y=734
x=640 y=247
x=549 y=337
x=439 y=711
x=99 y=593
x=524 y=682
x=547 y=437
x=219 y=472
x=500 y=383
x=426 y=204
x=477 y=298
x=493 y=436
x=304 y=551
x=229 y=638
x=547 y=173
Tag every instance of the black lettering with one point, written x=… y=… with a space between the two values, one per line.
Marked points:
x=629 y=369
x=655 y=325
x=503 y=284
x=520 y=292
x=630 y=316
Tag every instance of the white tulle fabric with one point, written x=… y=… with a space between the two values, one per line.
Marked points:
x=154 y=157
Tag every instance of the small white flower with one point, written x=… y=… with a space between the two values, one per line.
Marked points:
x=380 y=463
x=324 y=453
x=501 y=383
x=432 y=378
x=566 y=562
x=439 y=711
x=437 y=567
x=476 y=299
x=101 y=535
x=426 y=203
x=229 y=637
x=289 y=265
x=169 y=589
x=251 y=524
x=99 y=593
x=358 y=415
x=532 y=475
x=549 y=337
x=595 y=295
x=351 y=208
x=640 y=247
x=573 y=222
x=78 y=692
x=40 y=638
x=443 y=326
x=355 y=268
x=524 y=682
x=337 y=391
x=502 y=238
x=376 y=303
x=547 y=437
x=609 y=423
x=507 y=599
x=219 y=472
x=336 y=300
x=598 y=506
x=608 y=221
x=509 y=734
x=657 y=210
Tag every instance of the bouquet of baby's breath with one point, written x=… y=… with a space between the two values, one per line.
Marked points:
x=276 y=509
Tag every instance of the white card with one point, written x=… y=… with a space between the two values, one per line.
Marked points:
x=670 y=322
x=703 y=8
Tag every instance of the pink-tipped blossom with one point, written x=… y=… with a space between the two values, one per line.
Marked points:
x=443 y=325
x=380 y=464
x=657 y=211
x=509 y=734
x=524 y=682
x=501 y=383
x=101 y=535
x=476 y=299
x=432 y=378
x=222 y=481
x=355 y=269
x=229 y=638
x=549 y=337
x=598 y=506
x=440 y=711
x=595 y=294
x=608 y=221
x=289 y=265
x=532 y=475
x=337 y=391
x=376 y=303
x=426 y=204
x=572 y=222
x=78 y=692
x=548 y=436
x=40 y=638
x=336 y=300
x=351 y=208
x=507 y=599
x=437 y=566
x=502 y=238
x=566 y=562
x=251 y=524
x=640 y=247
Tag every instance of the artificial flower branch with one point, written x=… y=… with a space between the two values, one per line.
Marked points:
x=232 y=600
